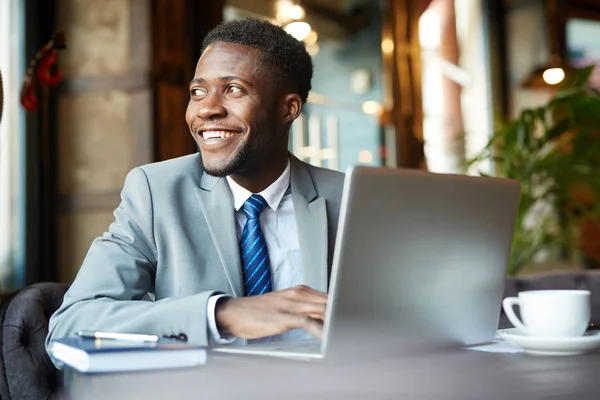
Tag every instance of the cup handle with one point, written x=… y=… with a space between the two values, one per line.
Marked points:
x=508 y=305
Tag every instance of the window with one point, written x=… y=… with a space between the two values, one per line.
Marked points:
x=12 y=148
x=456 y=84
x=339 y=126
x=583 y=45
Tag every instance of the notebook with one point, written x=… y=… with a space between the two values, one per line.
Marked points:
x=108 y=355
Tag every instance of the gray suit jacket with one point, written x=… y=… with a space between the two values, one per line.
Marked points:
x=174 y=236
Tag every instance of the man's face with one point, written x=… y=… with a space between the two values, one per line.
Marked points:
x=235 y=112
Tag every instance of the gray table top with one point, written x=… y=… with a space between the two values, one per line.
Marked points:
x=460 y=374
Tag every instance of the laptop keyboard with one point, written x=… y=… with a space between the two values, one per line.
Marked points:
x=304 y=346
x=299 y=347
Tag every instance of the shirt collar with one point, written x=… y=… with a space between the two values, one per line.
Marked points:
x=272 y=194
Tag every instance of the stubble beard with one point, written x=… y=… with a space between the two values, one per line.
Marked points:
x=235 y=164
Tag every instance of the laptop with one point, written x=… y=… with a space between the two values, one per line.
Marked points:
x=419 y=262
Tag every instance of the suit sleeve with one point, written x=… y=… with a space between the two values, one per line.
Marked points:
x=118 y=271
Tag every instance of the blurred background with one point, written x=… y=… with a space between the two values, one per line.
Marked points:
x=93 y=88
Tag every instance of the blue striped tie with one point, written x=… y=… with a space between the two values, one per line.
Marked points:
x=255 y=258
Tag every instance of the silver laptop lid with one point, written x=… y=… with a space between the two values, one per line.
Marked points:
x=419 y=256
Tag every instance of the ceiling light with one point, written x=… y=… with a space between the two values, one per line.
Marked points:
x=298 y=29
x=311 y=38
x=546 y=77
x=312 y=49
x=553 y=76
x=387 y=46
x=283 y=10
x=554 y=72
x=372 y=107
x=296 y=12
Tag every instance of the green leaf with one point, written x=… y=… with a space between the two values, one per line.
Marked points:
x=548 y=149
x=558 y=129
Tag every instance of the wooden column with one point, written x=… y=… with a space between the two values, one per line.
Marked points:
x=407 y=114
x=178 y=27
x=450 y=91
x=41 y=163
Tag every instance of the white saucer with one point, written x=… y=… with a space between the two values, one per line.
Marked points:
x=552 y=346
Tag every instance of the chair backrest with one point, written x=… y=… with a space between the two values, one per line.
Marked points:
x=578 y=279
x=26 y=371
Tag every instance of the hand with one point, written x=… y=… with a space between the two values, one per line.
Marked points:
x=272 y=313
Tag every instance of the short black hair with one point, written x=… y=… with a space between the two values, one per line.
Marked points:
x=286 y=55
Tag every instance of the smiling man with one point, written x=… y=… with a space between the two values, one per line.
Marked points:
x=235 y=241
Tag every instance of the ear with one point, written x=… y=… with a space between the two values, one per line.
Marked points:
x=292 y=107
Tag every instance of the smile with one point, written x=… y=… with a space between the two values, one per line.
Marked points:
x=217 y=135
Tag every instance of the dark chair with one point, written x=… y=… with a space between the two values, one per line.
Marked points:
x=584 y=279
x=26 y=371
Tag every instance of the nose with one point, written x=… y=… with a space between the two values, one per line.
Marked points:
x=211 y=107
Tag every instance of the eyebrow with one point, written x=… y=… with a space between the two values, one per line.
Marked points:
x=225 y=79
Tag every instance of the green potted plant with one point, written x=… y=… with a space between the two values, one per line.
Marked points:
x=554 y=151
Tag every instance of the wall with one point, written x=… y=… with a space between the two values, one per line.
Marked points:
x=104 y=116
x=526 y=48
x=332 y=98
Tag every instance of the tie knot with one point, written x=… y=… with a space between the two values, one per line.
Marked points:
x=254 y=206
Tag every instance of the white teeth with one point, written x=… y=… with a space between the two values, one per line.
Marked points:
x=217 y=134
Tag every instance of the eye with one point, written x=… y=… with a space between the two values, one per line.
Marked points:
x=197 y=92
x=234 y=89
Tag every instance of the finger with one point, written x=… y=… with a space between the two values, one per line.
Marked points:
x=306 y=294
x=319 y=317
x=313 y=326
x=310 y=309
x=314 y=292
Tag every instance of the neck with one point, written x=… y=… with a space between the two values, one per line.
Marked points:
x=261 y=178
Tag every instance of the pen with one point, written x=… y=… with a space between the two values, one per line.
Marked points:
x=132 y=337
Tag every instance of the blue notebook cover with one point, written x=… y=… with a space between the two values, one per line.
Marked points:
x=108 y=355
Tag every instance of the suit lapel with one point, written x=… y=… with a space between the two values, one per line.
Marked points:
x=216 y=204
x=311 y=222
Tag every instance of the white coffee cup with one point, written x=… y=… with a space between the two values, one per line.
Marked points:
x=550 y=313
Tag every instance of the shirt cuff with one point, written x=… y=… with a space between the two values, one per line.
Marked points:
x=215 y=335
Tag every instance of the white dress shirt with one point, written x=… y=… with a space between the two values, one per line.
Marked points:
x=278 y=224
